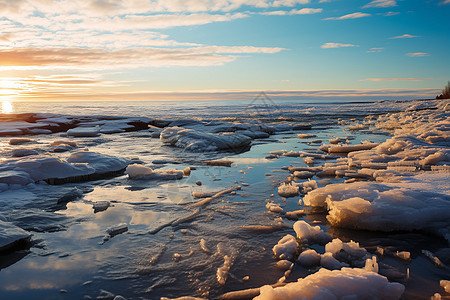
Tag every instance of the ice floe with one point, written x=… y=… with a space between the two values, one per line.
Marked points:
x=80 y=166
x=11 y=236
x=196 y=141
x=346 y=283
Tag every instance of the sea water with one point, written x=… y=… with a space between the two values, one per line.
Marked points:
x=70 y=259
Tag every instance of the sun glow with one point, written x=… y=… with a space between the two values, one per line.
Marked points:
x=7 y=107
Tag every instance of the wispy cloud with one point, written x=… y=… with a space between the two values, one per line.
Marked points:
x=417 y=54
x=381 y=3
x=278 y=3
x=336 y=45
x=394 y=79
x=375 y=50
x=355 y=15
x=134 y=57
x=303 y=11
x=445 y=2
x=405 y=36
x=389 y=13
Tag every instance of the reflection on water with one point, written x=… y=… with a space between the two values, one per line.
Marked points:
x=7 y=107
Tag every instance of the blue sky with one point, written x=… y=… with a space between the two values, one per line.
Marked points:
x=154 y=49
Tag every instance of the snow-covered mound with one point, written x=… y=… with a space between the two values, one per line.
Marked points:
x=196 y=141
x=80 y=166
x=346 y=283
x=11 y=235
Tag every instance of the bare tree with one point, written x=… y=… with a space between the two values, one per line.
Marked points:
x=445 y=92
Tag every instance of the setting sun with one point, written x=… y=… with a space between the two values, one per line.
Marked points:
x=7 y=107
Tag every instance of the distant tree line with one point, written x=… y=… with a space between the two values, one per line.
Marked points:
x=445 y=92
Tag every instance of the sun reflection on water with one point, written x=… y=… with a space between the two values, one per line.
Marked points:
x=7 y=107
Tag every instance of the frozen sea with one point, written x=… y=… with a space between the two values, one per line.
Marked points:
x=70 y=258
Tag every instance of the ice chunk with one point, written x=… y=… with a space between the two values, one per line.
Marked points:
x=19 y=141
x=309 y=258
x=11 y=236
x=350 y=252
x=204 y=247
x=433 y=159
x=15 y=177
x=24 y=152
x=101 y=163
x=344 y=284
x=371 y=264
x=288 y=190
x=308 y=233
x=445 y=284
x=136 y=171
x=308 y=186
x=66 y=143
x=350 y=148
x=78 y=167
x=305 y=136
x=117 y=229
x=84 y=131
x=286 y=247
x=274 y=207
x=389 y=206
x=328 y=261
x=283 y=264
x=222 y=272
x=303 y=174
x=197 y=141
x=100 y=206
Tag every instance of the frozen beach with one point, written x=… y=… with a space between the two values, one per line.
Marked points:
x=225 y=200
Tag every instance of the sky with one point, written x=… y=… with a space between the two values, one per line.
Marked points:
x=223 y=49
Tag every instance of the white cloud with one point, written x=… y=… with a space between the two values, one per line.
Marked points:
x=122 y=7
x=389 y=13
x=375 y=50
x=289 y=3
x=336 y=45
x=445 y=2
x=381 y=3
x=80 y=58
x=355 y=15
x=417 y=54
x=303 y=11
x=405 y=36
